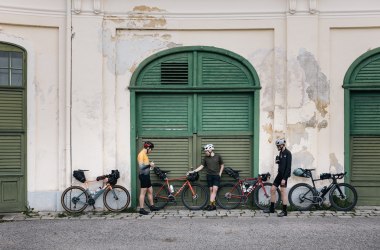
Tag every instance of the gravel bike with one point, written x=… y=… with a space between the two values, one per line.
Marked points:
x=231 y=195
x=194 y=196
x=342 y=196
x=75 y=199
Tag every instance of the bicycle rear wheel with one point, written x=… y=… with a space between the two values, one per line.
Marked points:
x=343 y=197
x=229 y=196
x=301 y=196
x=116 y=199
x=74 y=199
x=160 y=195
x=196 y=201
x=262 y=196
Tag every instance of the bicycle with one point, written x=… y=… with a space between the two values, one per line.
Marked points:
x=342 y=196
x=231 y=195
x=116 y=198
x=194 y=196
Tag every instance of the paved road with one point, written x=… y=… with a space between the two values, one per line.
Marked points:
x=331 y=232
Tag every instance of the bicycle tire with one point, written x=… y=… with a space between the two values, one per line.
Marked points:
x=74 y=199
x=347 y=202
x=229 y=196
x=301 y=196
x=263 y=201
x=199 y=201
x=116 y=199
x=160 y=196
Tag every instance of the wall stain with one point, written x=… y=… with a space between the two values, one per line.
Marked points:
x=268 y=128
x=322 y=124
x=318 y=88
x=143 y=8
x=335 y=166
x=302 y=159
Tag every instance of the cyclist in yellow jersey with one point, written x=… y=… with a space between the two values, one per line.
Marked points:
x=144 y=167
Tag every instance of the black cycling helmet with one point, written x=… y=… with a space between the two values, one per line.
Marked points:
x=148 y=144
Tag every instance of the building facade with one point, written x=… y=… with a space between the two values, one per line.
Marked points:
x=84 y=82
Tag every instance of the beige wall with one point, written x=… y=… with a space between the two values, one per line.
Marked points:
x=301 y=50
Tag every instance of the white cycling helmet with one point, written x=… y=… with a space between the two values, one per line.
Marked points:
x=280 y=142
x=208 y=147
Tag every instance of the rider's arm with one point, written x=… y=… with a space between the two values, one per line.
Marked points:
x=288 y=168
x=221 y=169
x=199 y=168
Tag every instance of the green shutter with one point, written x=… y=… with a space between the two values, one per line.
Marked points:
x=11 y=110
x=164 y=114
x=224 y=112
x=365 y=113
x=365 y=158
x=221 y=70
x=368 y=71
x=11 y=156
x=169 y=70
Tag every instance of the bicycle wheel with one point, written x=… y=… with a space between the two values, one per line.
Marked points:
x=262 y=196
x=116 y=199
x=229 y=196
x=343 y=197
x=74 y=199
x=160 y=195
x=301 y=196
x=196 y=201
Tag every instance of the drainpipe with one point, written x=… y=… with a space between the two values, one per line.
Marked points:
x=68 y=85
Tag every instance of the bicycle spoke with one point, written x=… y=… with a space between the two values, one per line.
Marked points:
x=116 y=199
x=74 y=199
x=194 y=198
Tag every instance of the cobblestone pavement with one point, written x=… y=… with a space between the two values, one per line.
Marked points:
x=369 y=212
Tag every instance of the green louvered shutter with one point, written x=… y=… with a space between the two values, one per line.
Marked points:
x=168 y=71
x=365 y=146
x=12 y=165
x=164 y=114
x=365 y=113
x=365 y=158
x=219 y=70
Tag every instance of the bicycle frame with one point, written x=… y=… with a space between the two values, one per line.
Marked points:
x=245 y=195
x=167 y=183
x=97 y=194
x=321 y=195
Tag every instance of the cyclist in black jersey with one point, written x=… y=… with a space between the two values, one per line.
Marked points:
x=284 y=161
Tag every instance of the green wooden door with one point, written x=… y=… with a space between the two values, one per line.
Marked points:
x=179 y=124
x=12 y=129
x=365 y=145
x=189 y=96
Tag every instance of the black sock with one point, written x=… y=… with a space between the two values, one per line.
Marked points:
x=272 y=206
x=284 y=207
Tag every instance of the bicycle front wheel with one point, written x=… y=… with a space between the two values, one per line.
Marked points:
x=160 y=195
x=343 y=197
x=197 y=200
x=116 y=199
x=74 y=199
x=262 y=196
x=301 y=196
x=229 y=196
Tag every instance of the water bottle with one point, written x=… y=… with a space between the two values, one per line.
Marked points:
x=250 y=188
x=323 y=189
x=244 y=187
x=171 y=188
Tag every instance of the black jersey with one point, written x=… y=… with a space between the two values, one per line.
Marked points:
x=285 y=163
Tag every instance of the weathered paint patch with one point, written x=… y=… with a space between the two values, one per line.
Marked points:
x=268 y=128
x=302 y=159
x=322 y=124
x=144 y=8
x=335 y=166
x=318 y=88
x=134 y=48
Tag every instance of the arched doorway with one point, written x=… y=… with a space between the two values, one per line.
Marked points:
x=12 y=128
x=185 y=97
x=362 y=126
